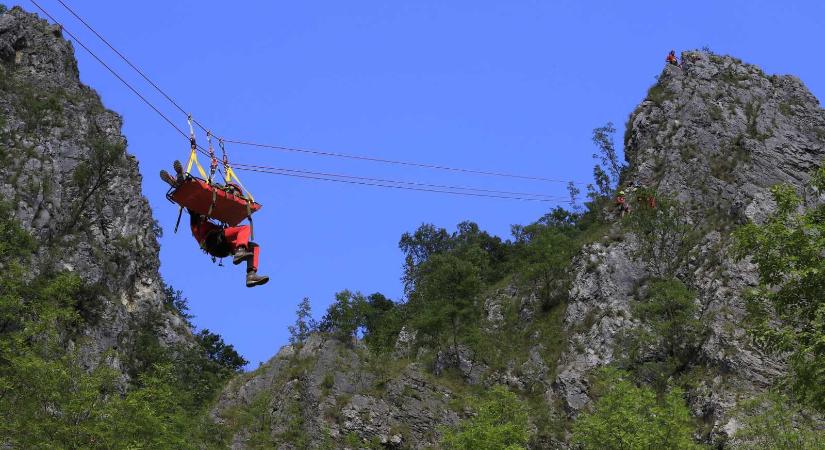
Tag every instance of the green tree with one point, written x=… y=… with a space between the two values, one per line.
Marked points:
x=345 y=316
x=304 y=323
x=665 y=233
x=670 y=333
x=788 y=249
x=49 y=398
x=628 y=417
x=383 y=320
x=773 y=421
x=500 y=421
x=543 y=253
x=443 y=303
x=607 y=155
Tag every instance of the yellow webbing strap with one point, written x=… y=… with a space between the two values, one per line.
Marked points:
x=230 y=174
x=193 y=158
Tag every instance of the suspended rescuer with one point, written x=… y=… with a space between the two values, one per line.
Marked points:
x=219 y=241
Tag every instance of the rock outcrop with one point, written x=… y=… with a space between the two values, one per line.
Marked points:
x=68 y=179
x=714 y=134
x=328 y=394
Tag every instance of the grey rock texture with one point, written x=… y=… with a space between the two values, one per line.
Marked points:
x=326 y=393
x=715 y=134
x=70 y=182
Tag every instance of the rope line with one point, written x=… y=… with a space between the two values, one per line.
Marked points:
x=112 y=71
x=397 y=162
x=133 y=66
x=296 y=149
x=340 y=178
x=409 y=183
x=366 y=183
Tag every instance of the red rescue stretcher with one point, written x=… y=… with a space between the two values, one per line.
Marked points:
x=212 y=201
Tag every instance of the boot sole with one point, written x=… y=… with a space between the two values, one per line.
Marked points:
x=260 y=282
x=164 y=175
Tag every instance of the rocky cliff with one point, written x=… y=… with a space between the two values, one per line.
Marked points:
x=69 y=180
x=715 y=134
x=712 y=136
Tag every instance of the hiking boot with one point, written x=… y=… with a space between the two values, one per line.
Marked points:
x=178 y=169
x=241 y=255
x=253 y=279
x=164 y=175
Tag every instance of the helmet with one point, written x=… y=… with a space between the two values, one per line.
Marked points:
x=621 y=193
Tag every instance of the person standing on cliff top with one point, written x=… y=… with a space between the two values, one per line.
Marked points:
x=671 y=58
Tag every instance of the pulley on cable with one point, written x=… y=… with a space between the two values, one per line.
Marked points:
x=229 y=203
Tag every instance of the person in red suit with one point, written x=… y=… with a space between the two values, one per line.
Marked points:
x=219 y=241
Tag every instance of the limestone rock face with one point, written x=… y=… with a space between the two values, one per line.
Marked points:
x=69 y=181
x=329 y=393
x=718 y=132
x=715 y=134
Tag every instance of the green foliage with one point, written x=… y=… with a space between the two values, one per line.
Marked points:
x=543 y=252
x=444 y=275
x=91 y=176
x=37 y=106
x=665 y=234
x=752 y=110
x=50 y=399
x=607 y=156
x=383 y=320
x=629 y=417
x=175 y=301
x=788 y=250
x=3 y=8
x=658 y=94
x=345 y=316
x=670 y=334
x=725 y=164
x=304 y=323
x=603 y=188
x=487 y=253
x=376 y=318
x=772 y=421
x=500 y=422
x=443 y=303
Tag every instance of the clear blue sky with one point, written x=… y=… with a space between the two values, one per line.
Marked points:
x=512 y=86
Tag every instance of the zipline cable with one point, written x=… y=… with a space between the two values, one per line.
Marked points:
x=126 y=60
x=112 y=71
x=366 y=183
x=397 y=162
x=296 y=149
x=120 y=78
x=273 y=171
x=400 y=182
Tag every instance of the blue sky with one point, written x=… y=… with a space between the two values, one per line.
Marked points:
x=512 y=86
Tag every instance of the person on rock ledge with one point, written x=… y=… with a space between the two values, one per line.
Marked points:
x=219 y=241
x=671 y=58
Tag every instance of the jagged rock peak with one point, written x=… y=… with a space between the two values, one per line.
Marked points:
x=717 y=132
x=69 y=180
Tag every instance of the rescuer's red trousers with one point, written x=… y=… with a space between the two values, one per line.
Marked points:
x=235 y=237
x=239 y=237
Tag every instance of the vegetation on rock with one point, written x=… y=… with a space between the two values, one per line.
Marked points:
x=47 y=395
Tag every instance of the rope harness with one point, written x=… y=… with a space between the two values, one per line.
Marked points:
x=232 y=185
